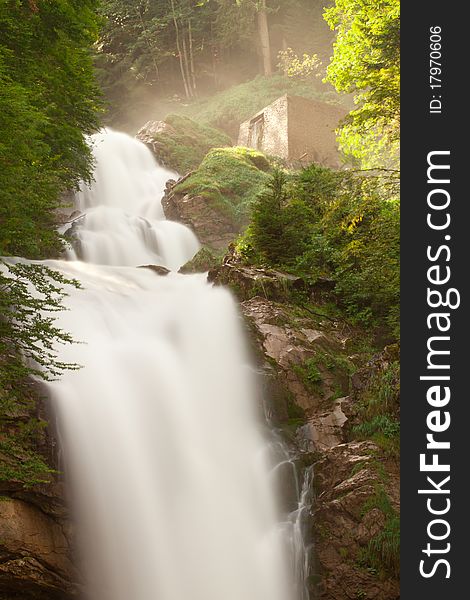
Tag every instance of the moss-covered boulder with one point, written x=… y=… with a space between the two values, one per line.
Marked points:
x=230 y=179
x=203 y=261
x=216 y=198
x=180 y=143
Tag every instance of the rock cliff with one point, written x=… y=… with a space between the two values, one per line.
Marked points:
x=309 y=360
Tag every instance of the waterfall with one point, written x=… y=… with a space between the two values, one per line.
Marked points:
x=122 y=221
x=170 y=472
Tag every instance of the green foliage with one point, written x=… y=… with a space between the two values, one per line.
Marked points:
x=306 y=67
x=304 y=29
x=30 y=294
x=295 y=413
x=373 y=464
x=313 y=370
x=335 y=362
x=383 y=424
x=19 y=460
x=280 y=227
x=378 y=409
x=151 y=53
x=27 y=335
x=384 y=549
x=366 y=62
x=340 y=225
x=366 y=231
x=382 y=392
x=227 y=109
x=230 y=179
x=309 y=375
x=48 y=100
x=185 y=146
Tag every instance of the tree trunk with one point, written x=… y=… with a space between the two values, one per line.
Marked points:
x=263 y=31
x=186 y=65
x=191 y=57
x=178 y=48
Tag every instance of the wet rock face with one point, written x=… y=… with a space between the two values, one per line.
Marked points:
x=34 y=553
x=36 y=534
x=213 y=229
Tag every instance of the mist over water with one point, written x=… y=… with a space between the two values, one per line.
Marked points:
x=171 y=476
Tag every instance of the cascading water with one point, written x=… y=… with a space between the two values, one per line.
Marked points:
x=122 y=221
x=170 y=474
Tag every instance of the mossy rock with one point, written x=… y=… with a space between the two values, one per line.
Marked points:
x=204 y=260
x=230 y=179
x=184 y=144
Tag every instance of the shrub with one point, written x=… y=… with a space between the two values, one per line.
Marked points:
x=280 y=226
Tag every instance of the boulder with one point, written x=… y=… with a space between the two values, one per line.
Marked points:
x=212 y=227
x=148 y=135
x=158 y=269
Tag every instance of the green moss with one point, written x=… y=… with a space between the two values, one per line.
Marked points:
x=230 y=179
x=204 y=260
x=373 y=464
x=185 y=147
x=294 y=412
x=378 y=500
x=310 y=371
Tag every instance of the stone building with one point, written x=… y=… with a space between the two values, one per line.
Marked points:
x=296 y=129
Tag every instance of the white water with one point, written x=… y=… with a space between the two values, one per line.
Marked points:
x=123 y=221
x=171 y=477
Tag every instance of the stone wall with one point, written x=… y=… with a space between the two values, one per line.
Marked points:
x=275 y=133
x=295 y=129
x=312 y=136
